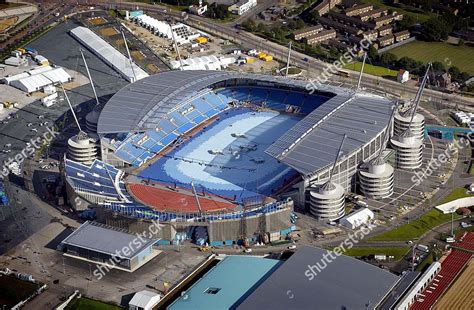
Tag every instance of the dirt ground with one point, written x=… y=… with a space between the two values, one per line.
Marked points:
x=108 y=32
x=97 y=21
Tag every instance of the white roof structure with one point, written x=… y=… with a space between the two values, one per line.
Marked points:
x=211 y=62
x=37 y=79
x=144 y=300
x=108 y=54
x=182 y=33
x=357 y=218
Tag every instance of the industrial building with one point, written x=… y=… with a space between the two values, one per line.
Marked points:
x=37 y=79
x=96 y=243
x=242 y=6
x=127 y=68
x=144 y=300
x=307 y=281
x=226 y=284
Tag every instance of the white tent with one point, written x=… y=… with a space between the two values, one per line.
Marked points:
x=36 y=82
x=145 y=300
x=358 y=218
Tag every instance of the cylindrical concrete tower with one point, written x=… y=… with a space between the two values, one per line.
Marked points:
x=376 y=179
x=82 y=149
x=409 y=150
x=327 y=201
x=402 y=122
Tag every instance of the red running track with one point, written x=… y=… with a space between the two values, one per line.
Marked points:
x=450 y=268
x=168 y=200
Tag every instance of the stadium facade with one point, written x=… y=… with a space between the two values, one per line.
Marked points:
x=267 y=124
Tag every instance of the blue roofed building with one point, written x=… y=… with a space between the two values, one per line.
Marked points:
x=226 y=284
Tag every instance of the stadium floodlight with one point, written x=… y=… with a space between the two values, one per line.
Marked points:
x=177 y=49
x=89 y=75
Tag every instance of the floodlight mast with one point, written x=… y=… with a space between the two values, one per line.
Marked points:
x=89 y=75
x=339 y=151
x=129 y=57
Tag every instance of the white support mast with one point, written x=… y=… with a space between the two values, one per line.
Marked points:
x=196 y=197
x=89 y=75
x=361 y=71
x=129 y=57
x=70 y=106
x=177 y=49
x=288 y=60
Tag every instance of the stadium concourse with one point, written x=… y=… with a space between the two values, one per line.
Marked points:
x=214 y=146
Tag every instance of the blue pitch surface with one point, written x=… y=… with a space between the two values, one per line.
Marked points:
x=255 y=172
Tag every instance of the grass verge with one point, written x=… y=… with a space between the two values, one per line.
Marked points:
x=84 y=303
x=397 y=252
x=416 y=228
x=371 y=69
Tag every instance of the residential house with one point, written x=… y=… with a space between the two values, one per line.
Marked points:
x=402 y=35
x=359 y=9
x=403 y=76
x=321 y=37
x=306 y=32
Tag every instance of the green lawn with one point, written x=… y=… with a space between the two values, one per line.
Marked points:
x=418 y=15
x=397 y=252
x=459 y=56
x=415 y=228
x=370 y=69
x=456 y=194
x=90 y=304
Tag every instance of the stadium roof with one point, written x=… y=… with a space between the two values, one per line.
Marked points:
x=108 y=53
x=230 y=280
x=137 y=106
x=313 y=143
x=100 y=238
x=309 y=146
x=345 y=283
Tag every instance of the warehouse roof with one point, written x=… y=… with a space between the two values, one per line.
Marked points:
x=100 y=238
x=228 y=282
x=343 y=283
x=108 y=53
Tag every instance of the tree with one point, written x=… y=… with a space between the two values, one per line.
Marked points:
x=407 y=63
x=455 y=72
x=218 y=11
x=388 y=59
x=249 y=25
x=435 y=29
x=299 y=23
x=438 y=66
x=313 y=17
x=372 y=53
x=469 y=88
x=262 y=28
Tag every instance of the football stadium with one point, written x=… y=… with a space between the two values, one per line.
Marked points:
x=223 y=157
